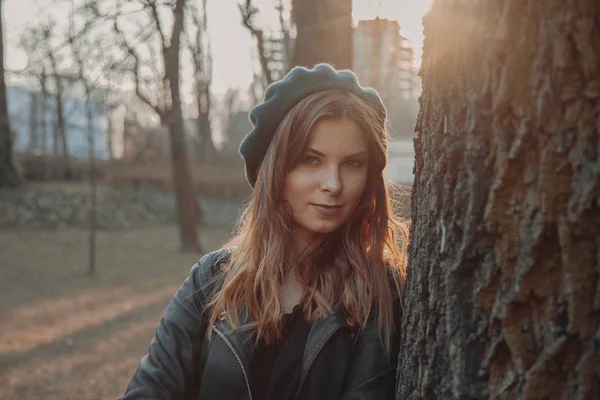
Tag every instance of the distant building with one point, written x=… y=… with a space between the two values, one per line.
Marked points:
x=384 y=60
x=34 y=124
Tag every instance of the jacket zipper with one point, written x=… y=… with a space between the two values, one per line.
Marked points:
x=305 y=372
x=236 y=354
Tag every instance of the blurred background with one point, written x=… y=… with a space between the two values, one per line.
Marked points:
x=126 y=119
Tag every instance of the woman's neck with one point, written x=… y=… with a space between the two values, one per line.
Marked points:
x=293 y=290
x=305 y=243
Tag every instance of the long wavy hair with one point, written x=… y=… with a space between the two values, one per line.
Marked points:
x=352 y=266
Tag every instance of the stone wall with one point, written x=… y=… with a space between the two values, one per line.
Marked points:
x=48 y=206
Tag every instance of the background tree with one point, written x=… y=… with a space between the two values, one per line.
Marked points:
x=60 y=134
x=503 y=296
x=44 y=59
x=83 y=52
x=165 y=99
x=229 y=106
x=37 y=66
x=324 y=32
x=274 y=46
x=8 y=173
x=198 y=44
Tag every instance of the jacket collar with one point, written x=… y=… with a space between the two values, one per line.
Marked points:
x=320 y=331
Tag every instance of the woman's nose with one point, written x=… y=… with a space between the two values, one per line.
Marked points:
x=332 y=182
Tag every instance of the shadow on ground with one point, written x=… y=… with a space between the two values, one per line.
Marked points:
x=67 y=336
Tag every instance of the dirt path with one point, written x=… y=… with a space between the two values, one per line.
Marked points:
x=66 y=336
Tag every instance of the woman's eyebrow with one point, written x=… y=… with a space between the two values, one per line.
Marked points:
x=318 y=153
x=358 y=154
x=311 y=150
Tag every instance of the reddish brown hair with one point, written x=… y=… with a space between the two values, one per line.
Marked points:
x=366 y=251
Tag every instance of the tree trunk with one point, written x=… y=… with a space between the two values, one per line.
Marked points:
x=43 y=112
x=324 y=32
x=55 y=136
x=503 y=291
x=204 y=126
x=92 y=173
x=109 y=137
x=61 y=129
x=186 y=209
x=33 y=123
x=8 y=174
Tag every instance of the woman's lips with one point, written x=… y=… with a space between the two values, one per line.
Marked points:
x=328 y=211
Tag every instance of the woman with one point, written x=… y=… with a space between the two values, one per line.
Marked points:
x=303 y=303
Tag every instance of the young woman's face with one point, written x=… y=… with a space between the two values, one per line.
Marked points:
x=325 y=187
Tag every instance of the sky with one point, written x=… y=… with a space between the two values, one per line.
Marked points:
x=231 y=42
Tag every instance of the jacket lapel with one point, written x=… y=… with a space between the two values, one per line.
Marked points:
x=242 y=339
x=245 y=339
x=320 y=332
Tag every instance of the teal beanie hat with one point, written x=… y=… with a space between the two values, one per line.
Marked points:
x=280 y=97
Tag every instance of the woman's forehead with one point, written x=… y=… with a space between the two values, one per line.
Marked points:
x=333 y=135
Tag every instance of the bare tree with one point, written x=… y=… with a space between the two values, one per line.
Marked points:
x=110 y=127
x=200 y=49
x=503 y=291
x=33 y=141
x=43 y=62
x=8 y=173
x=37 y=66
x=229 y=107
x=287 y=40
x=78 y=47
x=274 y=47
x=167 y=106
x=249 y=12
x=43 y=78
x=60 y=127
x=324 y=32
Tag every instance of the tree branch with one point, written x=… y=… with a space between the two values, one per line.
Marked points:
x=248 y=11
x=154 y=11
x=177 y=24
x=136 y=71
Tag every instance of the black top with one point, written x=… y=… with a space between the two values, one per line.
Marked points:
x=275 y=369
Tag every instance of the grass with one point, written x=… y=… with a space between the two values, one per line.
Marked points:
x=67 y=336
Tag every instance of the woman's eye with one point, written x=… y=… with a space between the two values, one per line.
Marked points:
x=354 y=163
x=310 y=160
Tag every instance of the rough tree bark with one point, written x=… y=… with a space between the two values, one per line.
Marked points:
x=8 y=174
x=503 y=292
x=324 y=32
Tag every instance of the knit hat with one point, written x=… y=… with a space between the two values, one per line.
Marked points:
x=280 y=97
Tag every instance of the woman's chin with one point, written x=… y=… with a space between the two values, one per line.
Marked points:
x=323 y=228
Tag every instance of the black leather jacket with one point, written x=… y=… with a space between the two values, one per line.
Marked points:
x=339 y=361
